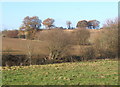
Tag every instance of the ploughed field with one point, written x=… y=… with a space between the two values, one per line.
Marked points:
x=97 y=72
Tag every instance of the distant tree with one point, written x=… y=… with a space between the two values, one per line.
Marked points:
x=48 y=22
x=93 y=24
x=68 y=24
x=61 y=27
x=82 y=24
x=30 y=24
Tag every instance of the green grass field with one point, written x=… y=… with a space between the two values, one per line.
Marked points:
x=99 y=72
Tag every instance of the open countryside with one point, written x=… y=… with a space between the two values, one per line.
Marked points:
x=48 y=49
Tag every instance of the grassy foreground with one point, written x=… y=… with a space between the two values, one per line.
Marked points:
x=99 y=72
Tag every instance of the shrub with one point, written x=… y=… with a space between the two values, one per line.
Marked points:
x=106 y=43
x=13 y=60
x=88 y=53
x=12 y=34
x=81 y=36
x=56 y=41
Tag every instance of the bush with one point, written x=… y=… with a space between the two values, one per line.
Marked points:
x=88 y=53
x=22 y=36
x=106 y=43
x=56 y=41
x=81 y=36
x=12 y=34
x=13 y=60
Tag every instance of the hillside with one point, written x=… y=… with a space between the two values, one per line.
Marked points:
x=18 y=46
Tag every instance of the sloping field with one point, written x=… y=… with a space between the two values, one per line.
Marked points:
x=99 y=72
x=19 y=46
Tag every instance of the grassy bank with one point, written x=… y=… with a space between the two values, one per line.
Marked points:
x=99 y=72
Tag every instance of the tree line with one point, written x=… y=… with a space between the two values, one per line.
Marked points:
x=31 y=25
x=35 y=23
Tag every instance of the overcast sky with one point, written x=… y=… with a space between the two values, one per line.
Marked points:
x=13 y=13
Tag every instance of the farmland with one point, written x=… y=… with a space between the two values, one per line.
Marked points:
x=59 y=43
x=98 y=72
x=18 y=46
x=86 y=72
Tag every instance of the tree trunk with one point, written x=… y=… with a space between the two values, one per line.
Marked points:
x=53 y=55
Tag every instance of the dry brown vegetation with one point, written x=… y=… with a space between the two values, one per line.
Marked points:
x=49 y=44
x=59 y=45
x=18 y=46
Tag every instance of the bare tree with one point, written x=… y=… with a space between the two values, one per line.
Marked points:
x=81 y=37
x=68 y=24
x=106 y=43
x=56 y=41
x=29 y=51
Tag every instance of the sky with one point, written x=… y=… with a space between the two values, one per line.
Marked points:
x=13 y=13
